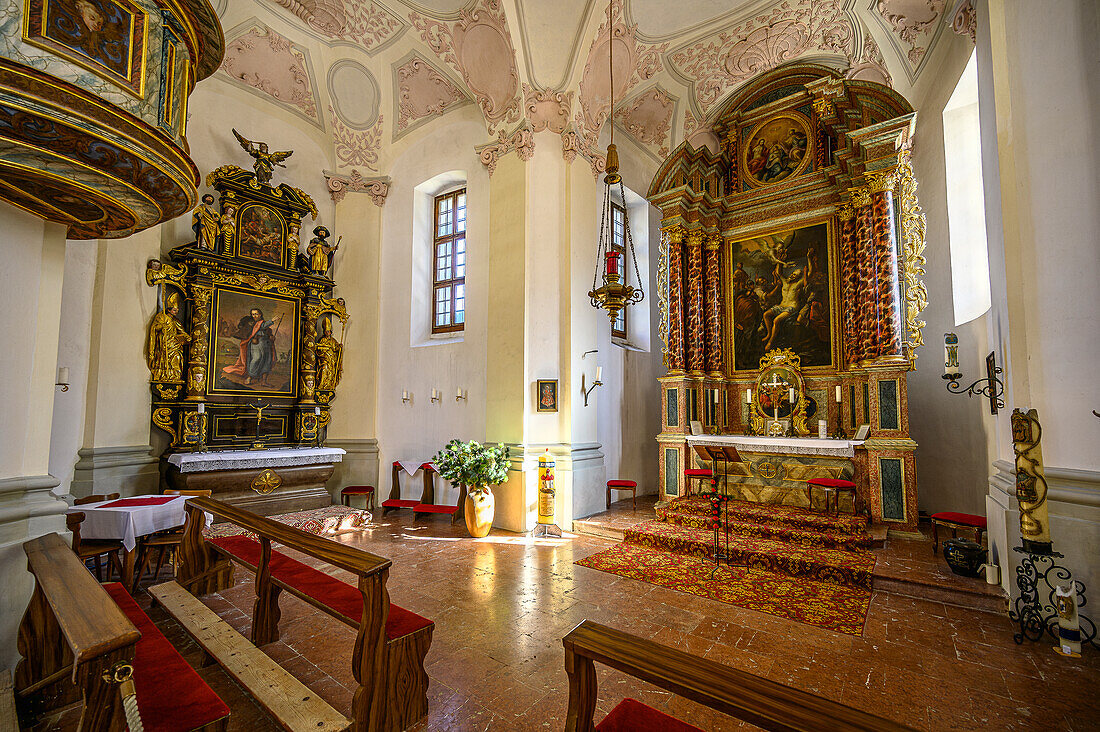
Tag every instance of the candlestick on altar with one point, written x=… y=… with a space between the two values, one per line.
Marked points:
x=838 y=393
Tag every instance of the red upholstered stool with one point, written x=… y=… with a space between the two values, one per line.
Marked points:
x=700 y=474
x=358 y=490
x=833 y=487
x=623 y=485
x=956 y=521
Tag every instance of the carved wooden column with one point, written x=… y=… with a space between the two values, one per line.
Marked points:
x=200 y=333
x=713 y=304
x=694 y=310
x=849 y=268
x=887 y=293
x=674 y=349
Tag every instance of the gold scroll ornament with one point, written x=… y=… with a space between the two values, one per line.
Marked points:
x=1031 y=484
x=266 y=482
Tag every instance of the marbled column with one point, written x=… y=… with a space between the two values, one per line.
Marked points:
x=712 y=304
x=674 y=353
x=887 y=292
x=864 y=306
x=694 y=312
x=849 y=279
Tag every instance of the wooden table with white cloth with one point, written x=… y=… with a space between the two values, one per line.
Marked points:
x=128 y=519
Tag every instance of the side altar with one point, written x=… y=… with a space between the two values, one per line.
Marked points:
x=789 y=289
x=243 y=352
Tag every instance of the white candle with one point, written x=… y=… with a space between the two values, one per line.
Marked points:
x=405 y=394
x=202 y=408
x=821 y=428
x=715 y=396
x=317 y=411
x=790 y=394
x=748 y=396
x=63 y=375
x=838 y=393
x=599 y=372
x=459 y=392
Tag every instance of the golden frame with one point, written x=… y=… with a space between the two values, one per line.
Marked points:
x=553 y=384
x=239 y=231
x=803 y=122
x=833 y=256
x=34 y=18
x=212 y=368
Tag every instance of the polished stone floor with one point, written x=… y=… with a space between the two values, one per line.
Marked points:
x=502 y=604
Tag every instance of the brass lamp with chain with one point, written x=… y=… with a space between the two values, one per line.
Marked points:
x=614 y=294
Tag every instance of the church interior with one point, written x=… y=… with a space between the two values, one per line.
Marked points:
x=549 y=364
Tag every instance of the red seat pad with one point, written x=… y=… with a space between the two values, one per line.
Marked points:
x=427 y=466
x=622 y=484
x=340 y=596
x=399 y=503
x=357 y=490
x=631 y=715
x=171 y=696
x=831 y=483
x=966 y=519
x=698 y=472
x=434 y=508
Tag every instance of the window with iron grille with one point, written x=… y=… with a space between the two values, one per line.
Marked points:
x=618 y=244
x=449 y=263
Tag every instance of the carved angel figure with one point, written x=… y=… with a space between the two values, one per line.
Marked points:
x=164 y=347
x=265 y=161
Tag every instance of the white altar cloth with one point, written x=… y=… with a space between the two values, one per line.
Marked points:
x=781 y=445
x=195 y=462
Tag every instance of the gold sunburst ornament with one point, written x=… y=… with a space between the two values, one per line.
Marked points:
x=614 y=294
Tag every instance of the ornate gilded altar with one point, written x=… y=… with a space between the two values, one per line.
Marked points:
x=243 y=352
x=795 y=234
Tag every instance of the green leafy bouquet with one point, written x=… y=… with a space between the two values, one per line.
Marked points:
x=473 y=464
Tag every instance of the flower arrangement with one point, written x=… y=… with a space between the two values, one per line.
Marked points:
x=472 y=464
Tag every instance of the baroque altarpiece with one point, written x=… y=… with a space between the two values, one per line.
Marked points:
x=243 y=351
x=790 y=266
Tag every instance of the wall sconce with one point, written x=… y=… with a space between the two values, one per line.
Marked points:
x=990 y=386
x=597 y=382
x=437 y=395
x=460 y=395
x=405 y=396
x=63 y=378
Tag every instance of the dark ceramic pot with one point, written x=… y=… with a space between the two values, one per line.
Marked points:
x=965 y=557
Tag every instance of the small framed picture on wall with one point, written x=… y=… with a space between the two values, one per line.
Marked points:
x=547 y=393
x=862 y=432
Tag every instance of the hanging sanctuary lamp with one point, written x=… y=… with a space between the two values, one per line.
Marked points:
x=613 y=294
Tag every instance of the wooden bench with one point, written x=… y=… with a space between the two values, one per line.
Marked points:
x=759 y=701
x=79 y=640
x=391 y=642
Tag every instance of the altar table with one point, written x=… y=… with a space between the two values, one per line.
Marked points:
x=781 y=445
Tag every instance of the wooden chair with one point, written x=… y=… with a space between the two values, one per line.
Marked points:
x=166 y=542
x=623 y=485
x=94 y=548
x=96 y=498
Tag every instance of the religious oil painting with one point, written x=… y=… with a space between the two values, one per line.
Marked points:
x=548 y=395
x=777 y=149
x=780 y=295
x=107 y=37
x=254 y=347
x=260 y=234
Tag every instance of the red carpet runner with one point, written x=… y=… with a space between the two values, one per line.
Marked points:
x=789 y=562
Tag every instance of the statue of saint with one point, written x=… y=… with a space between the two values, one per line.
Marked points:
x=330 y=359
x=227 y=227
x=164 y=347
x=320 y=251
x=265 y=161
x=205 y=224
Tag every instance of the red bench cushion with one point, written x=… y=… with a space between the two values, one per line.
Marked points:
x=698 y=472
x=171 y=696
x=631 y=715
x=399 y=503
x=434 y=508
x=622 y=484
x=966 y=519
x=357 y=490
x=831 y=482
x=340 y=596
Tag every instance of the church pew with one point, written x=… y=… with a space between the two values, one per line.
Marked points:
x=77 y=633
x=388 y=661
x=745 y=696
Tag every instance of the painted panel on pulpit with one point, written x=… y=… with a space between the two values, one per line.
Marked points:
x=781 y=296
x=254 y=347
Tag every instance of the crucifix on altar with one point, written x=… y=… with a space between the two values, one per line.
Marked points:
x=775 y=390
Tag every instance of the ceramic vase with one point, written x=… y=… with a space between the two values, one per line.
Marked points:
x=964 y=557
x=479 y=510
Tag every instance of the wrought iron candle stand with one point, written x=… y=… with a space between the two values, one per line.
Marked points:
x=1028 y=609
x=990 y=387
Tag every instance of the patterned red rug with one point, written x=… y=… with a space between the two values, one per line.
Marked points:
x=841 y=608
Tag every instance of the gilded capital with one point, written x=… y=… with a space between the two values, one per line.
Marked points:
x=824 y=107
x=675 y=234
x=695 y=238
x=881 y=181
x=712 y=242
x=859 y=196
x=845 y=211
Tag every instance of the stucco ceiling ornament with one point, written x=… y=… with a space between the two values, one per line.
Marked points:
x=965 y=21
x=719 y=62
x=356 y=147
x=634 y=62
x=340 y=185
x=547 y=109
x=361 y=23
x=422 y=92
x=522 y=141
x=871 y=66
x=266 y=61
x=648 y=119
x=570 y=145
x=479 y=47
x=914 y=22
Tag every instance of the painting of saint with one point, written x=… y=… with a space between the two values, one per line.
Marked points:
x=260 y=234
x=254 y=345
x=777 y=149
x=780 y=296
x=547 y=395
x=106 y=35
